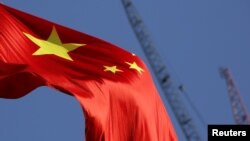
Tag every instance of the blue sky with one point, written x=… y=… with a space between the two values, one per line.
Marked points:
x=194 y=37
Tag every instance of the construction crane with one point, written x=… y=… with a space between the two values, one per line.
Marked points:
x=240 y=113
x=171 y=92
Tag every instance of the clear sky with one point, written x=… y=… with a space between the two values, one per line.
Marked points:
x=194 y=37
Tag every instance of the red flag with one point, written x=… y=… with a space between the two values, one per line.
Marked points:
x=114 y=87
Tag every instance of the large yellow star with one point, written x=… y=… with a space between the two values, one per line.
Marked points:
x=112 y=69
x=53 y=45
x=135 y=66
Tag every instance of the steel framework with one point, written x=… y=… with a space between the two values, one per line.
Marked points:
x=171 y=92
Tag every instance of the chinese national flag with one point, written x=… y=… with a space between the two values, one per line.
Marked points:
x=113 y=86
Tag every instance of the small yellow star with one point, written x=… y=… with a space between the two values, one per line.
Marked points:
x=135 y=66
x=53 y=45
x=112 y=69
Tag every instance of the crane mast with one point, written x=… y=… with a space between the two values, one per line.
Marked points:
x=171 y=92
x=240 y=113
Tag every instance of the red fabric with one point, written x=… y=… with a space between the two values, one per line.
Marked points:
x=124 y=106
